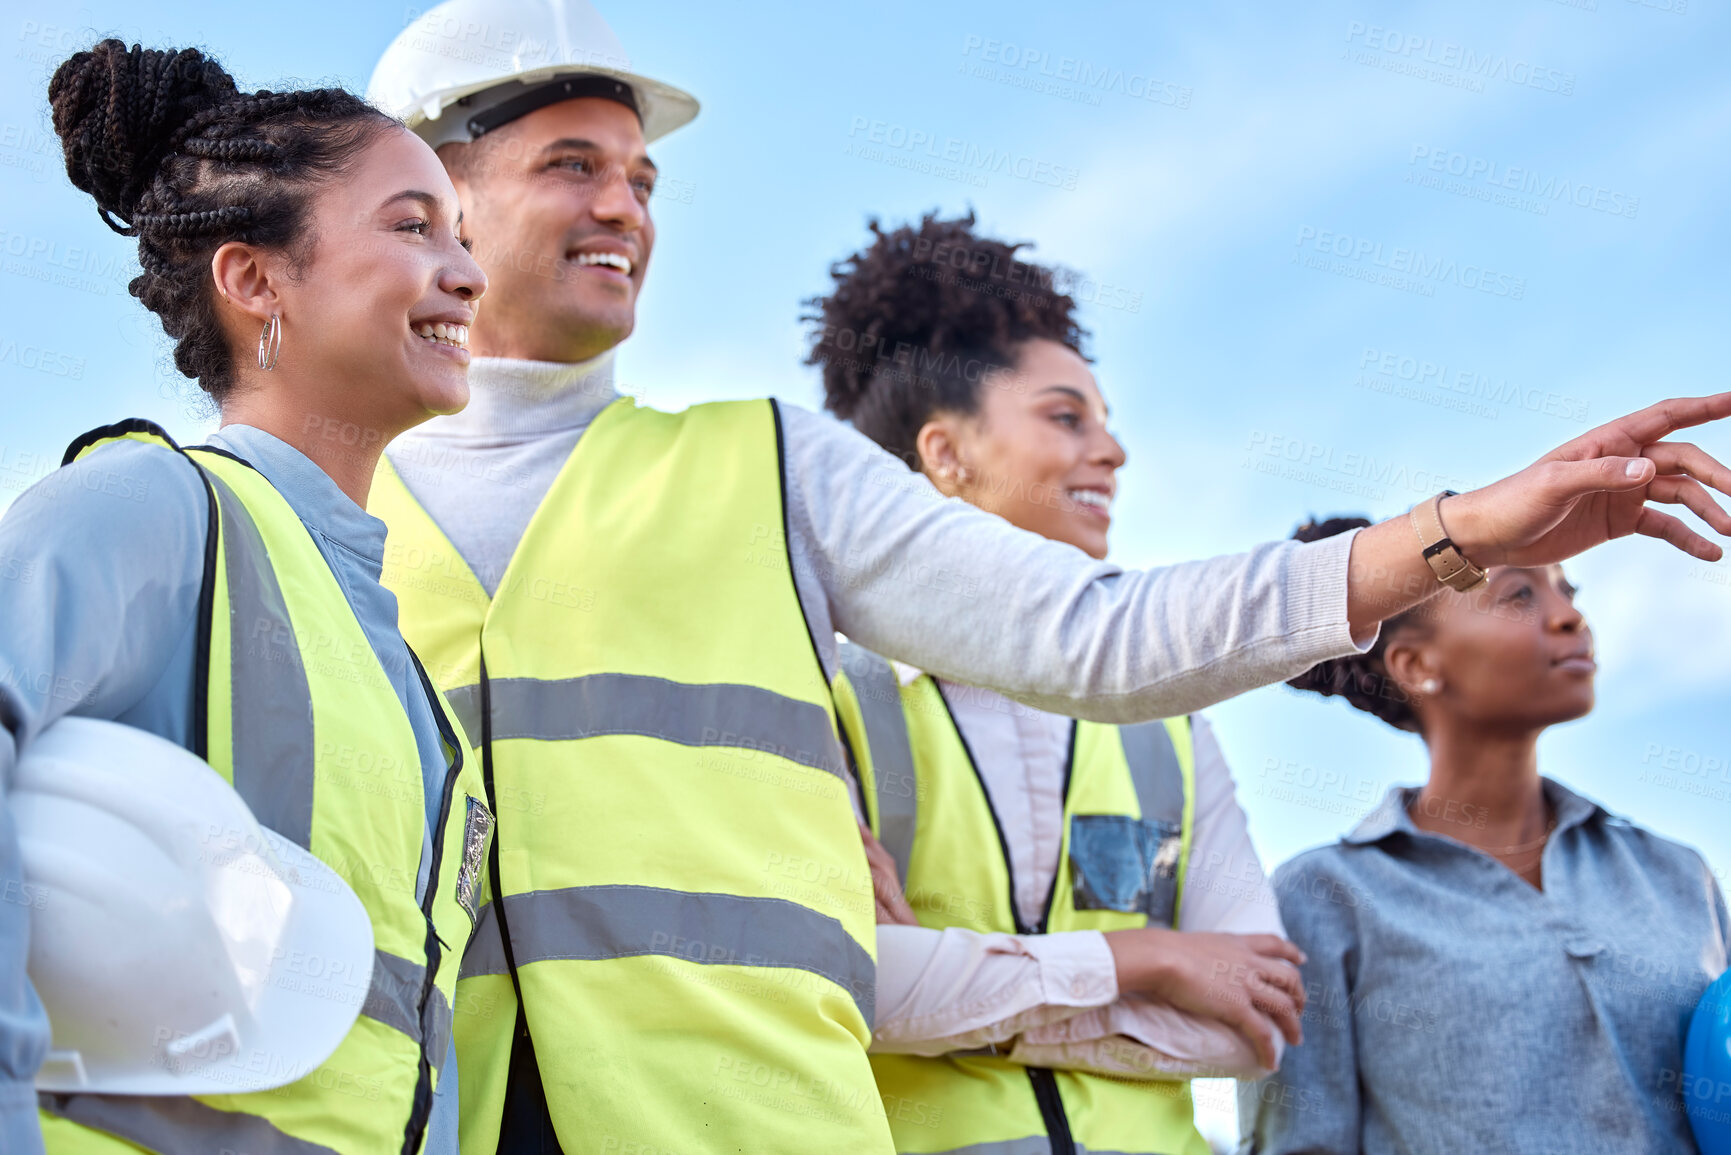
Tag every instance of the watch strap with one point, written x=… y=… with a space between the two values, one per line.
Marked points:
x=1451 y=567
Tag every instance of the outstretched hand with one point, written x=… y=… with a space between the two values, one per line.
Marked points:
x=1596 y=488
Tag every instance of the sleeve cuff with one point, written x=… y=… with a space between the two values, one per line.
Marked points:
x=1076 y=968
x=1316 y=584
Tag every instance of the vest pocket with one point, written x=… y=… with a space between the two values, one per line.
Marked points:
x=1125 y=864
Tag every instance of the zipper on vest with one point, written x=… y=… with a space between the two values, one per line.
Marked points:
x=423 y=1103
x=1044 y=1082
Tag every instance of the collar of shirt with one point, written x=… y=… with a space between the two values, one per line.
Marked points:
x=1391 y=817
x=316 y=499
x=511 y=400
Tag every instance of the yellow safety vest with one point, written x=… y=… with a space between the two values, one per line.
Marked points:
x=292 y=707
x=1128 y=812
x=687 y=910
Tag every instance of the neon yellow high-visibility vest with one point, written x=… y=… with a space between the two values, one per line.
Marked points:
x=1128 y=812
x=294 y=709
x=686 y=903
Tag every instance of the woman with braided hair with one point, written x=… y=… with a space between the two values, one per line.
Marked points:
x=1075 y=890
x=304 y=252
x=1495 y=963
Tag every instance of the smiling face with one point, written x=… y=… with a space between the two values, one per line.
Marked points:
x=376 y=312
x=558 y=204
x=1036 y=452
x=1512 y=656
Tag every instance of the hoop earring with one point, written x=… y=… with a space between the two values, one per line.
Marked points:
x=270 y=343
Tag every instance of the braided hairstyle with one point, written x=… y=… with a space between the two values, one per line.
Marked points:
x=176 y=156
x=920 y=316
x=1363 y=679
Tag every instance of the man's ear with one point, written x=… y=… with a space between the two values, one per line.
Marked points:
x=245 y=279
x=457 y=156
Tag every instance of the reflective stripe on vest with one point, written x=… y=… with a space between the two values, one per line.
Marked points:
x=896 y=789
x=295 y=710
x=682 y=886
x=600 y=704
x=1128 y=810
x=607 y=922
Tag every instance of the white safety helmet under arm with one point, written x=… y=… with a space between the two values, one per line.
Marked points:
x=178 y=946
x=466 y=67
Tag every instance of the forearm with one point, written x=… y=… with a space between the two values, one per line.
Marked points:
x=1140 y=1039
x=955 y=989
x=940 y=584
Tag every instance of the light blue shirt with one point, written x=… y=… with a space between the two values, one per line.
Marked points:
x=1453 y=1007
x=100 y=569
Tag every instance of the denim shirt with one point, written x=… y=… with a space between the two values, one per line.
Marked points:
x=99 y=619
x=1453 y=1007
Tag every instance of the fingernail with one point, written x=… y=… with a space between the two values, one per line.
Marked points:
x=1634 y=469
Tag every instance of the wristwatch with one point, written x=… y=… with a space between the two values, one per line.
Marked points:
x=1452 y=569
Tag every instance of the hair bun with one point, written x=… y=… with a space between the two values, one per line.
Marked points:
x=119 y=112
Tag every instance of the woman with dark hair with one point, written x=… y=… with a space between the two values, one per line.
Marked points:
x=303 y=251
x=1075 y=890
x=1495 y=963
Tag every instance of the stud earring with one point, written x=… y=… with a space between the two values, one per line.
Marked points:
x=1430 y=685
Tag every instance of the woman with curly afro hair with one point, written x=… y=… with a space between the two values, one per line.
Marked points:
x=1495 y=963
x=1073 y=890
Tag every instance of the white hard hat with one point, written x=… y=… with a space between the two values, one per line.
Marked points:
x=496 y=59
x=179 y=947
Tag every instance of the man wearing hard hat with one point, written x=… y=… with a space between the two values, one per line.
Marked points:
x=635 y=612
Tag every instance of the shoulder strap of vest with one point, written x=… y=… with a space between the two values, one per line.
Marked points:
x=894 y=783
x=131 y=429
x=1155 y=771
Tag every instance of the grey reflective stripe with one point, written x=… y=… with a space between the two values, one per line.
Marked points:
x=466 y=705
x=1032 y=1145
x=895 y=781
x=270 y=704
x=591 y=923
x=437 y=1025
x=1154 y=769
x=691 y=714
x=273 y=747
x=391 y=999
x=395 y=990
x=178 y=1123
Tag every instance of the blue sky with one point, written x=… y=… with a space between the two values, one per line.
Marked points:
x=1338 y=256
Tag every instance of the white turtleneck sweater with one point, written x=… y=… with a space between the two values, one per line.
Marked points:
x=880 y=555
